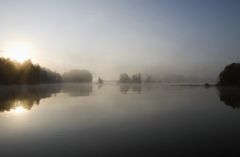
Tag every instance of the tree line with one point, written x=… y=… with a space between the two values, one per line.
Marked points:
x=12 y=72
x=124 y=78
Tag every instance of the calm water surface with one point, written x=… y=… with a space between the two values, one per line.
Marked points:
x=118 y=120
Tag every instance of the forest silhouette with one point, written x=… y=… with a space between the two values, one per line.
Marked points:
x=230 y=76
x=12 y=72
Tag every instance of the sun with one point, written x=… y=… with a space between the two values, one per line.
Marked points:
x=18 y=51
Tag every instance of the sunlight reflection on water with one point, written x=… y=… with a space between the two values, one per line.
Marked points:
x=87 y=119
x=18 y=110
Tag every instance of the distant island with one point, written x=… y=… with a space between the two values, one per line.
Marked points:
x=230 y=76
x=124 y=78
x=81 y=76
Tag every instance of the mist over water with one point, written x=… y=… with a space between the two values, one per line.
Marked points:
x=119 y=78
x=117 y=119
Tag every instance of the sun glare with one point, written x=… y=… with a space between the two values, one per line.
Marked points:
x=18 y=109
x=18 y=51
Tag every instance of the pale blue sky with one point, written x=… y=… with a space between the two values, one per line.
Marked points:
x=187 y=37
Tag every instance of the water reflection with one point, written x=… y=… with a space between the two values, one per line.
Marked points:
x=230 y=96
x=164 y=119
x=77 y=89
x=124 y=88
x=17 y=99
x=100 y=86
x=19 y=109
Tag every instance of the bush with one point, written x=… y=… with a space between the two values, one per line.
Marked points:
x=230 y=76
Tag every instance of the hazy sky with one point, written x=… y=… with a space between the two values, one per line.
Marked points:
x=107 y=37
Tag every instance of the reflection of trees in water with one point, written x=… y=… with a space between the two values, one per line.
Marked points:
x=77 y=89
x=12 y=97
x=137 y=88
x=124 y=88
x=24 y=96
x=230 y=96
x=100 y=86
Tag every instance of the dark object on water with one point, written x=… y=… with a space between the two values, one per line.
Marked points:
x=207 y=85
x=100 y=81
x=230 y=76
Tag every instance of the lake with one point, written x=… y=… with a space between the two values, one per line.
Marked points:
x=118 y=120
